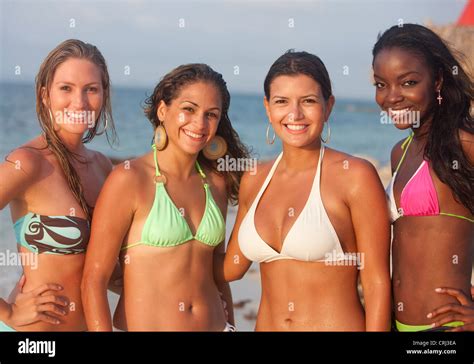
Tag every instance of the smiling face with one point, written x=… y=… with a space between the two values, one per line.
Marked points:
x=75 y=96
x=192 y=118
x=297 y=109
x=404 y=84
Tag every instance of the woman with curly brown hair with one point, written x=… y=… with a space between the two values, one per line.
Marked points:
x=164 y=214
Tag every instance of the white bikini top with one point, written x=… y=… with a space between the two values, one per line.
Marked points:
x=312 y=237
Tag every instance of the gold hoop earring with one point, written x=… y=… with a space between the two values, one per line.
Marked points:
x=161 y=138
x=270 y=141
x=216 y=148
x=328 y=137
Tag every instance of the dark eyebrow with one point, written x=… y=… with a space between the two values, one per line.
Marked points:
x=401 y=76
x=376 y=75
x=302 y=97
x=407 y=73
x=182 y=102
x=212 y=108
x=73 y=84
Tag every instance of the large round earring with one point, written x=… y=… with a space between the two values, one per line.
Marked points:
x=216 y=148
x=270 y=141
x=328 y=137
x=161 y=138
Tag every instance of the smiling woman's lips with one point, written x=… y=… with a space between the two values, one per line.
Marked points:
x=402 y=116
x=398 y=112
x=193 y=135
x=296 y=128
x=76 y=114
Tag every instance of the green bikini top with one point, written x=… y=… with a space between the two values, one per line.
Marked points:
x=165 y=226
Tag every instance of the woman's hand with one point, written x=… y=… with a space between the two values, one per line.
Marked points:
x=224 y=306
x=116 y=280
x=40 y=304
x=464 y=311
x=16 y=289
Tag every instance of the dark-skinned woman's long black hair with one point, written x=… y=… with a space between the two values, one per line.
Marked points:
x=443 y=147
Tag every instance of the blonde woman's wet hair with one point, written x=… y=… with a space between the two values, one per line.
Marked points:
x=72 y=49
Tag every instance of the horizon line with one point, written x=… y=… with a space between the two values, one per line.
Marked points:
x=239 y=92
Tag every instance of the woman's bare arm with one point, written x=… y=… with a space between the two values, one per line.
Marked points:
x=368 y=206
x=233 y=265
x=113 y=215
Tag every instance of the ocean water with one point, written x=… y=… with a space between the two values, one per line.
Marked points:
x=355 y=129
x=355 y=125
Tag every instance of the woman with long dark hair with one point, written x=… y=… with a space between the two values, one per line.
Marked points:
x=423 y=88
x=314 y=219
x=164 y=214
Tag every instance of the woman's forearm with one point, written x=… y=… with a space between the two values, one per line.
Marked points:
x=96 y=305
x=116 y=280
x=377 y=306
x=234 y=267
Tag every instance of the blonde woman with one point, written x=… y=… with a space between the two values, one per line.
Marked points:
x=51 y=184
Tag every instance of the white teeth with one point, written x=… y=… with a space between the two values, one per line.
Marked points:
x=399 y=112
x=295 y=127
x=76 y=114
x=193 y=135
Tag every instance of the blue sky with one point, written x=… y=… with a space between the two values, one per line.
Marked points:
x=152 y=37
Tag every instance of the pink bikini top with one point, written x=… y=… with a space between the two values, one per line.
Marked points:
x=419 y=197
